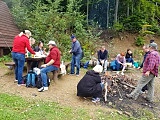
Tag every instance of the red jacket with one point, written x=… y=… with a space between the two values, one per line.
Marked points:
x=20 y=44
x=55 y=55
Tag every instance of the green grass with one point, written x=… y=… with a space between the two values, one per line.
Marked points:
x=17 y=108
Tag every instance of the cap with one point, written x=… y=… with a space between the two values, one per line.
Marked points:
x=153 y=44
x=98 y=68
x=72 y=37
x=51 y=43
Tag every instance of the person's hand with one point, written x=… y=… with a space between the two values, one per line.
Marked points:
x=102 y=61
x=139 y=68
x=147 y=73
x=70 y=51
x=44 y=65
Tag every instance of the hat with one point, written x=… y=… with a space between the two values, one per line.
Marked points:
x=72 y=37
x=153 y=44
x=98 y=68
x=51 y=43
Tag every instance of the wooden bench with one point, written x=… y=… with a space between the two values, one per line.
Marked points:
x=11 y=65
x=57 y=73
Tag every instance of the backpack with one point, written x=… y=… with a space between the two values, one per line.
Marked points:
x=39 y=81
x=31 y=78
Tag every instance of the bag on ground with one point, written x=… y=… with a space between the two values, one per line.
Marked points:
x=39 y=83
x=31 y=78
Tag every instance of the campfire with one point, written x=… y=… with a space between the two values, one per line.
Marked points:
x=117 y=86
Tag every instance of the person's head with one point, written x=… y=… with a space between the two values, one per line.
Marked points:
x=122 y=55
x=129 y=51
x=146 y=48
x=40 y=44
x=98 y=68
x=32 y=41
x=153 y=46
x=73 y=38
x=27 y=33
x=51 y=44
x=103 y=48
x=151 y=41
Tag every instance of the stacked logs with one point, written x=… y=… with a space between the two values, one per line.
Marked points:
x=116 y=82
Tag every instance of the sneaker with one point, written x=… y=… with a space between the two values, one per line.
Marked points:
x=117 y=72
x=95 y=100
x=45 y=89
x=77 y=75
x=131 y=97
x=16 y=80
x=122 y=73
x=41 y=89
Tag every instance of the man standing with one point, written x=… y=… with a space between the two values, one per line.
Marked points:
x=102 y=58
x=76 y=52
x=52 y=63
x=20 y=43
x=150 y=70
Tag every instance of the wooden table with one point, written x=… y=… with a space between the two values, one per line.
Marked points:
x=29 y=60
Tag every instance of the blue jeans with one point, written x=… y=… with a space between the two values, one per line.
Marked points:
x=44 y=72
x=130 y=60
x=118 y=66
x=75 y=62
x=19 y=60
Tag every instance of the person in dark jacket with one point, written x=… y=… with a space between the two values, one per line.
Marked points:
x=90 y=85
x=102 y=57
x=129 y=56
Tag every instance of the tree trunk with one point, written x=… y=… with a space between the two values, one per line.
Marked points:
x=116 y=11
x=107 y=13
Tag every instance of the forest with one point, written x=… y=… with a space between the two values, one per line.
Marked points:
x=87 y=19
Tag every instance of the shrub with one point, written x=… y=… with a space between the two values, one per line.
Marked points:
x=140 y=41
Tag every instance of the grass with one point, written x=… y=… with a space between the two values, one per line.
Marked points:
x=17 y=108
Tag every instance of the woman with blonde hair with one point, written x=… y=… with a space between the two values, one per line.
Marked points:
x=90 y=85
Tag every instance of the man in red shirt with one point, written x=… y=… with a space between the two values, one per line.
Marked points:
x=52 y=63
x=150 y=71
x=20 y=43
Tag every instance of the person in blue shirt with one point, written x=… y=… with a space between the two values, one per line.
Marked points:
x=76 y=52
x=102 y=58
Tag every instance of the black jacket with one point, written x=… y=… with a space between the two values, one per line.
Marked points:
x=89 y=85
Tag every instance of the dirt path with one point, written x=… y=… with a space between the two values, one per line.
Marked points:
x=63 y=90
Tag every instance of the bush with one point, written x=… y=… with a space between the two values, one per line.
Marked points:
x=140 y=41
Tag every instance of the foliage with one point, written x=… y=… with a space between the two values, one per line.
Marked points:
x=118 y=27
x=140 y=41
x=5 y=58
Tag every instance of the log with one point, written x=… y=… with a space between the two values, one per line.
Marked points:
x=124 y=83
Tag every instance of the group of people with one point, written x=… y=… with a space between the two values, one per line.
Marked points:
x=21 y=44
x=92 y=86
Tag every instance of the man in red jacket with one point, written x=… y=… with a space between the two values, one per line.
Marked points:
x=52 y=63
x=20 y=43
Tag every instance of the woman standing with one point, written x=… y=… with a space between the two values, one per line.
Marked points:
x=20 y=43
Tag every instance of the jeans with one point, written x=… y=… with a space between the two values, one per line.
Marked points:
x=130 y=60
x=19 y=60
x=44 y=72
x=76 y=62
x=119 y=66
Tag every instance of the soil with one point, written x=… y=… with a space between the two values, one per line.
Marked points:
x=64 y=90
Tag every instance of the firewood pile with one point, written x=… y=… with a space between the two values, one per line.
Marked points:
x=117 y=86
